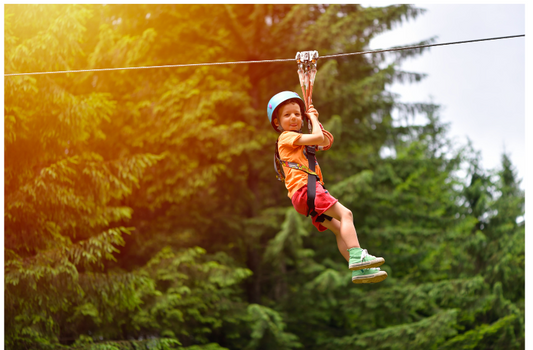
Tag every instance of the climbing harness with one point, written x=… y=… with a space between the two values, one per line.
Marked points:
x=307 y=69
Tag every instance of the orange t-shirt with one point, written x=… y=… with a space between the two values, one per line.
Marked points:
x=288 y=151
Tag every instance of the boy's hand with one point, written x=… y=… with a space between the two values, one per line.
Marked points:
x=312 y=112
x=316 y=137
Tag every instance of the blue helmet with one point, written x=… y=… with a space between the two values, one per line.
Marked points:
x=278 y=99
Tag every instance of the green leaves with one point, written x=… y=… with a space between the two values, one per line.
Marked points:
x=287 y=247
x=425 y=334
x=188 y=297
x=267 y=330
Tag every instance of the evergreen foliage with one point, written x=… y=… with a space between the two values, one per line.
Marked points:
x=142 y=211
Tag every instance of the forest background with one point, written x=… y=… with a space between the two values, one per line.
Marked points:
x=142 y=210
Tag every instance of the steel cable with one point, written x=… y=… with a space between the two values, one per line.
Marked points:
x=268 y=61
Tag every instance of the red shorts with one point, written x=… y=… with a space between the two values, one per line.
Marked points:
x=323 y=201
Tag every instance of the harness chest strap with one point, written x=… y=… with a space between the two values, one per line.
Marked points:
x=298 y=166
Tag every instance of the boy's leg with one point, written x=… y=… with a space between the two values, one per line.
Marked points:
x=335 y=226
x=346 y=227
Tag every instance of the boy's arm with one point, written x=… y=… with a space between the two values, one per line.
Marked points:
x=316 y=137
x=328 y=138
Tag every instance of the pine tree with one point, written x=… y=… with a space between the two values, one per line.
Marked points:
x=69 y=184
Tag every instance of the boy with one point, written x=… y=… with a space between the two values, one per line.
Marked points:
x=285 y=114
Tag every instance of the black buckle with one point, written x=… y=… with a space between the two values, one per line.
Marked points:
x=323 y=217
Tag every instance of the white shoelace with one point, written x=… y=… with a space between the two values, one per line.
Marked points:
x=364 y=254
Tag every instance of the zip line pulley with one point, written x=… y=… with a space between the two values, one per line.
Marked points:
x=307 y=67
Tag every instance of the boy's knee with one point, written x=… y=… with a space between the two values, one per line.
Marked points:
x=347 y=213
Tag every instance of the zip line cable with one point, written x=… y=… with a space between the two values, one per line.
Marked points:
x=421 y=46
x=268 y=61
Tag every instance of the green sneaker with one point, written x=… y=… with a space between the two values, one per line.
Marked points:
x=360 y=259
x=373 y=275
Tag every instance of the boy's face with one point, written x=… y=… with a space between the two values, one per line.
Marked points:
x=289 y=117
